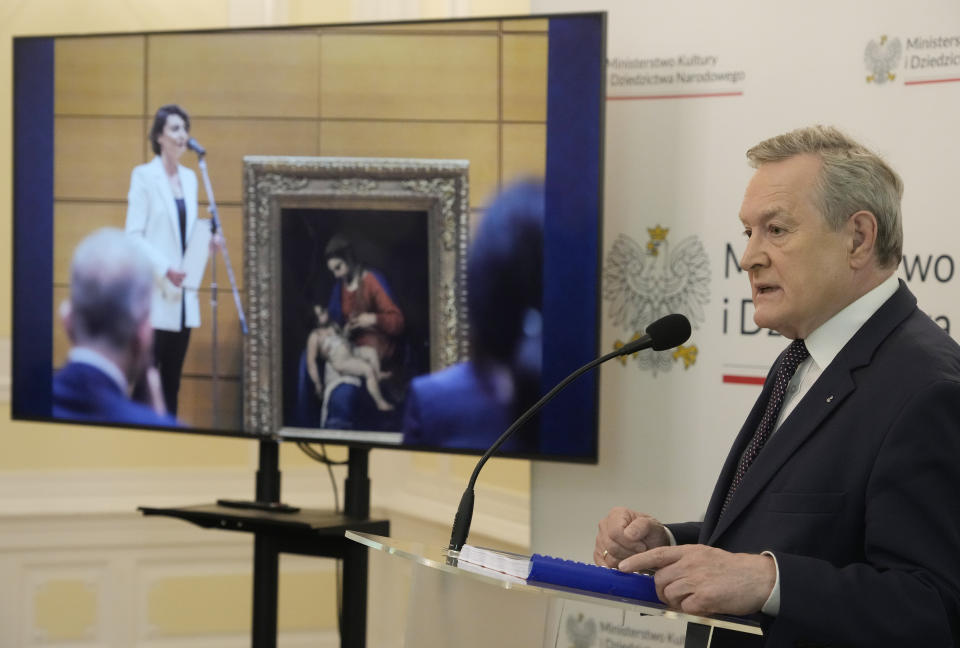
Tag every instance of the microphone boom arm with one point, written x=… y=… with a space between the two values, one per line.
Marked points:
x=461 y=523
x=665 y=333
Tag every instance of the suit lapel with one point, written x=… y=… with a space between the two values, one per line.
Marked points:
x=826 y=395
x=166 y=198
x=730 y=465
x=188 y=182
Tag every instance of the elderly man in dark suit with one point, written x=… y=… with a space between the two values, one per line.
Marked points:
x=835 y=515
x=107 y=319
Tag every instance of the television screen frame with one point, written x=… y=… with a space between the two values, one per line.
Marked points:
x=572 y=231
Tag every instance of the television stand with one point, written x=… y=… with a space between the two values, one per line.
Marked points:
x=307 y=532
x=272 y=507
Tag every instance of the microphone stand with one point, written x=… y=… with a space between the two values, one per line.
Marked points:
x=665 y=333
x=461 y=523
x=216 y=227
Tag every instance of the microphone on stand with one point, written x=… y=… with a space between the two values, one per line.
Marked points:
x=197 y=148
x=666 y=333
x=194 y=146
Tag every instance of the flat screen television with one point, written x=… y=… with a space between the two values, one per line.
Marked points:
x=412 y=204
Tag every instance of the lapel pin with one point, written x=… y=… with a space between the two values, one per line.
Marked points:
x=830 y=398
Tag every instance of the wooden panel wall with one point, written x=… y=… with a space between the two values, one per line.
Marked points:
x=466 y=90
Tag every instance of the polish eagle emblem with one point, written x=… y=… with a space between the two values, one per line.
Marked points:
x=581 y=631
x=642 y=283
x=881 y=58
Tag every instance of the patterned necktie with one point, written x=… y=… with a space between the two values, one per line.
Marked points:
x=794 y=355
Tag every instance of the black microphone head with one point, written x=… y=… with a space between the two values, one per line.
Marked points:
x=669 y=331
x=194 y=146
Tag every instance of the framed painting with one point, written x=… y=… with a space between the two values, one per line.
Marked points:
x=355 y=280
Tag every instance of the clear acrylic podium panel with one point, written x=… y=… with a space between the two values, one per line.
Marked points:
x=441 y=605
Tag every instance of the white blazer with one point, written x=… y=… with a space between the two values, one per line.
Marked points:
x=153 y=222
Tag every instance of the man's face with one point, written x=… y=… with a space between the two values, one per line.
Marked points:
x=798 y=267
x=322 y=316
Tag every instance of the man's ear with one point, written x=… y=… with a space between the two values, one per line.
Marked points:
x=66 y=319
x=145 y=338
x=141 y=355
x=862 y=230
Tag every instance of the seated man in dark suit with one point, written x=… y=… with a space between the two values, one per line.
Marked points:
x=107 y=319
x=835 y=515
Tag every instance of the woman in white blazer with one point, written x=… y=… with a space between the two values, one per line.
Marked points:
x=161 y=212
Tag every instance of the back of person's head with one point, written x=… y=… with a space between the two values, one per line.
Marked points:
x=160 y=121
x=110 y=288
x=852 y=179
x=505 y=271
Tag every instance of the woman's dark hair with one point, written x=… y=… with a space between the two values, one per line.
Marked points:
x=160 y=121
x=505 y=270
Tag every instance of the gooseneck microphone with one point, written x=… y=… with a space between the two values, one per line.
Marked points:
x=194 y=146
x=666 y=333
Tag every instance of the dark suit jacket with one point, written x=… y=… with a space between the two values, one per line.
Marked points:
x=858 y=493
x=81 y=392
x=456 y=408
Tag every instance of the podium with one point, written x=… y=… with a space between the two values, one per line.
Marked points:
x=448 y=605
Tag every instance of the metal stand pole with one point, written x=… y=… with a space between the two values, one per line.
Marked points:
x=215 y=396
x=356 y=491
x=266 y=552
x=356 y=499
x=217 y=228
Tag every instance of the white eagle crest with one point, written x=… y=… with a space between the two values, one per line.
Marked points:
x=881 y=59
x=580 y=631
x=644 y=283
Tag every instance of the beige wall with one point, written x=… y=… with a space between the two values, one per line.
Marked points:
x=64 y=477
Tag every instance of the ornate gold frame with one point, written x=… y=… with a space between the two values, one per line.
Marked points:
x=273 y=183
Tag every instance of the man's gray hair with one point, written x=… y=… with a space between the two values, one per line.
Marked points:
x=110 y=289
x=852 y=179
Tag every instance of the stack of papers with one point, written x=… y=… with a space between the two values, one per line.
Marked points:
x=505 y=562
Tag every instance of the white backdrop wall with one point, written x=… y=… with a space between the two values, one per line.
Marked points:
x=690 y=87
